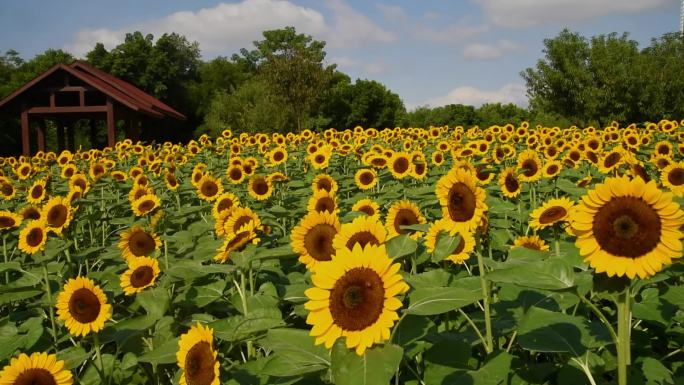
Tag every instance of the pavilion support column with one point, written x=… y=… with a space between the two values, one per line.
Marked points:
x=111 y=129
x=25 y=139
x=40 y=134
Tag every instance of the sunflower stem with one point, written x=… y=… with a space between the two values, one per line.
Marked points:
x=475 y=328
x=489 y=345
x=624 y=325
x=48 y=290
x=4 y=253
x=98 y=353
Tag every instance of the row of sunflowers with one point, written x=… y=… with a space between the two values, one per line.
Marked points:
x=508 y=254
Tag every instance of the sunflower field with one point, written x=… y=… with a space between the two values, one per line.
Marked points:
x=448 y=255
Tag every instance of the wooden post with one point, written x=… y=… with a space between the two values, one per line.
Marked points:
x=40 y=134
x=25 y=140
x=111 y=129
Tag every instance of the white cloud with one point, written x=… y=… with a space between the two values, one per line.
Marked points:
x=490 y=51
x=454 y=33
x=366 y=68
x=227 y=27
x=509 y=93
x=528 y=13
x=393 y=13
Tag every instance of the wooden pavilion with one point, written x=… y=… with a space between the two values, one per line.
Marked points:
x=68 y=93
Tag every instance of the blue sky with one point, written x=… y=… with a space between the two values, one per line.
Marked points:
x=429 y=52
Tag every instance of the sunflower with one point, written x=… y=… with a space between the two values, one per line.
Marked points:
x=36 y=192
x=672 y=177
x=366 y=178
x=171 y=181
x=313 y=238
x=260 y=187
x=57 y=214
x=552 y=168
x=82 y=305
x=145 y=204
x=462 y=251
x=529 y=165
x=9 y=220
x=531 y=242
x=236 y=240
x=225 y=202
x=141 y=273
x=36 y=369
x=628 y=227
x=363 y=230
x=550 y=213
x=462 y=200
x=323 y=201
x=437 y=158
x=119 y=176
x=138 y=192
x=239 y=217
x=509 y=183
x=400 y=165
x=277 y=177
x=81 y=181
x=7 y=188
x=367 y=206
x=32 y=237
x=404 y=213
x=324 y=182
x=235 y=174
x=138 y=242
x=321 y=158
x=611 y=161
x=30 y=212
x=277 y=156
x=354 y=297
x=197 y=358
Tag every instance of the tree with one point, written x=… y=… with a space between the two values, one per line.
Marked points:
x=490 y=114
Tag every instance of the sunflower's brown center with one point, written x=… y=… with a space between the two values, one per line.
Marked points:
x=459 y=248
x=400 y=165
x=461 y=203
x=593 y=158
x=142 y=276
x=35 y=237
x=632 y=140
x=575 y=156
x=419 y=168
x=31 y=213
x=530 y=167
x=139 y=193
x=146 y=205
x=324 y=184
x=57 y=215
x=84 y=306
x=511 y=183
x=171 y=179
x=551 y=152
x=25 y=171
x=357 y=299
x=612 y=159
x=224 y=204
x=379 y=162
x=238 y=241
x=552 y=215
x=366 y=178
x=98 y=170
x=663 y=149
x=362 y=238
x=37 y=191
x=260 y=186
x=640 y=171
x=278 y=156
x=676 y=176
x=482 y=173
x=318 y=241
x=199 y=364
x=6 y=222
x=7 y=189
x=241 y=221
x=35 y=376
x=319 y=159
x=209 y=188
x=405 y=217
x=325 y=204
x=367 y=209
x=141 y=243
x=235 y=174
x=627 y=227
x=531 y=245
x=552 y=169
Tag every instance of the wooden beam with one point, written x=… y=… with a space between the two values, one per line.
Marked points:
x=68 y=89
x=67 y=110
x=81 y=98
x=25 y=140
x=40 y=134
x=111 y=129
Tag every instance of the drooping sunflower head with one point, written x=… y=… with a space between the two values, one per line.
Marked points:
x=141 y=274
x=197 y=358
x=509 y=183
x=323 y=201
x=236 y=241
x=239 y=217
x=145 y=204
x=466 y=245
x=324 y=182
x=532 y=242
x=57 y=214
x=32 y=237
x=30 y=212
x=83 y=307
x=354 y=296
x=550 y=213
x=363 y=231
x=672 y=177
x=36 y=369
x=209 y=188
x=260 y=187
x=366 y=178
x=462 y=200
x=9 y=220
x=368 y=206
x=313 y=238
x=628 y=227
x=404 y=213
x=36 y=192
x=138 y=242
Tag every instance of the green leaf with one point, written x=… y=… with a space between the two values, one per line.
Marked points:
x=18 y=295
x=438 y=300
x=155 y=301
x=401 y=246
x=551 y=274
x=164 y=354
x=74 y=356
x=238 y=328
x=656 y=372
x=201 y=296
x=376 y=366
x=675 y=295
x=445 y=246
x=295 y=353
